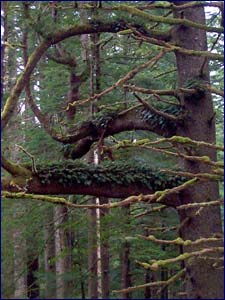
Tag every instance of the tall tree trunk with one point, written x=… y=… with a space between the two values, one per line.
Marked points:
x=32 y=285
x=63 y=263
x=203 y=280
x=49 y=254
x=105 y=272
x=102 y=265
x=20 y=280
x=92 y=255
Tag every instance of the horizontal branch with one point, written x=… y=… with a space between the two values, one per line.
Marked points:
x=201 y=204
x=200 y=176
x=175 y=92
x=187 y=141
x=201 y=159
x=179 y=241
x=173 y=6
x=185 y=256
x=115 y=181
x=166 y=20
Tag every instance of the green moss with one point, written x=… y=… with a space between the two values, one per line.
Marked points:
x=124 y=174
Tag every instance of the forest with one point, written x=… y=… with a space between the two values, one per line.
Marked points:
x=112 y=150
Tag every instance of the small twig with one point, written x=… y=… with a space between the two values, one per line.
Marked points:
x=34 y=169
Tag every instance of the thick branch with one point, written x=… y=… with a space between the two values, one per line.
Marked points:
x=14 y=169
x=112 y=180
x=21 y=82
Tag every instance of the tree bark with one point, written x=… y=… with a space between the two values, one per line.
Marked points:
x=203 y=280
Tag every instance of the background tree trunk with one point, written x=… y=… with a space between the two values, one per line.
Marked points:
x=62 y=250
x=49 y=254
x=125 y=263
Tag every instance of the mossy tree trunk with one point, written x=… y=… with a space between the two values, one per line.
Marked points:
x=203 y=280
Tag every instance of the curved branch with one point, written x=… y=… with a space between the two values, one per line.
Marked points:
x=51 y=39
x=11 y=102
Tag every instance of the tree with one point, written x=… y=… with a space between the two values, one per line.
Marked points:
x=181 y=115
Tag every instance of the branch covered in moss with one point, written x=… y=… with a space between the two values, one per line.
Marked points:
x=172 y=21
x=175 y=92
x=179 y=241
x=154 y=266
x=116 y=181
x=200 y=176
x=207 y=54
x=201 y=204
x=15 y=169
x=153 y=284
